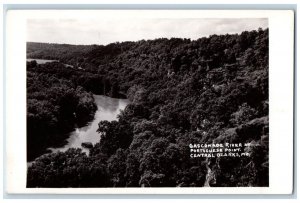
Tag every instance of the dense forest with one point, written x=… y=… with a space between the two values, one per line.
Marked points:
x=181 y=91
x=54 y=106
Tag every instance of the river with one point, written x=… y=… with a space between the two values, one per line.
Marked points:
x=41 y=61
x=108 y=109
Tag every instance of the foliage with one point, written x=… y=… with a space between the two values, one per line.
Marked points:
x=214 y=89
x=54 y=106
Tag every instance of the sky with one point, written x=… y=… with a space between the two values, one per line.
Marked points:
x=105 y=31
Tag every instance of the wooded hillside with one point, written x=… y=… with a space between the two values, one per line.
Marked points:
x=211 y=90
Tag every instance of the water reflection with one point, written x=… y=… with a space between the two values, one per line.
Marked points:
x=40 y=61
x=108 y=109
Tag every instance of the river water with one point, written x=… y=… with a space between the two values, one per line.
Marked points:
x=43 y=61
x=108 y=109
x=40 y=61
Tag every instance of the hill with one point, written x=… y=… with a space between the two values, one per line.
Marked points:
x=182 y=92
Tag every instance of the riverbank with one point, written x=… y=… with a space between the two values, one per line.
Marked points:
x=107 y=109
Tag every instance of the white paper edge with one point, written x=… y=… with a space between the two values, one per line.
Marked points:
x=281 y=27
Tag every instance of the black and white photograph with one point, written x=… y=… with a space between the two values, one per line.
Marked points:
x=147 y=103
x=150 y=102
